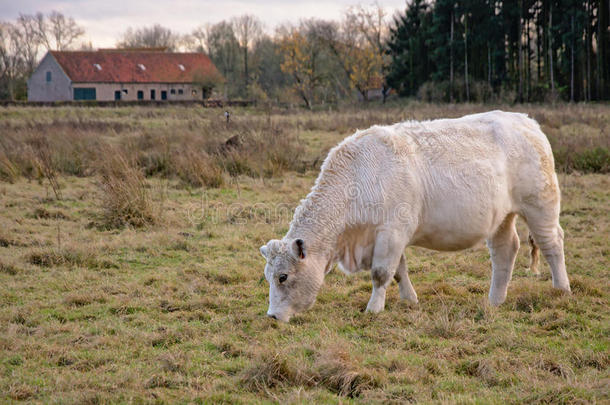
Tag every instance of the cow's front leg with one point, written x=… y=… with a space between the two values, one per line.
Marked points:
x=407 y=292
x=386 y=257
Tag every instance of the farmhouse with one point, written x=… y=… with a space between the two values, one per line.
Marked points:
x=122 y=74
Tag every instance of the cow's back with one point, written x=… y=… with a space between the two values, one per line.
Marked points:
x=459 y=177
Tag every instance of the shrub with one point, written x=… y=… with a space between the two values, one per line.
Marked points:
x=62 y=257
x=8 y=171
x=125 y=196
x=198 y=169
x=592 y=160
x=272 y=371
x=8 y=268
x=439 y=92
x=341 y=374
x=43 y=157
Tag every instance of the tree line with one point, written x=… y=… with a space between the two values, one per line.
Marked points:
x=440 y=50
x=525 y=50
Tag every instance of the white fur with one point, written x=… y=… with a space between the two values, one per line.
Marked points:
x=444 y=184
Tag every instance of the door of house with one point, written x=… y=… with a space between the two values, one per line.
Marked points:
x=84 y=93
x=163 y=95
x=117 y=95
x=153 y=94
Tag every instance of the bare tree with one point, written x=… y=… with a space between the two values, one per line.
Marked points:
x=155 y=36
x=57 y=32
x=358 y=43
x=247 y=30
x=223 y=49
x=370 y=24
x=12 y=62
x=199 y=38
x=30 y=41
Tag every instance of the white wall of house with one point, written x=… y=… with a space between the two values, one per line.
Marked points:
x=61 y=88
x=129 y=91
x=56 y=89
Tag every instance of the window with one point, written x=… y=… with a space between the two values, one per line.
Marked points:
x=48 y=76
x=163 y=95
x=181 y=67
x=172 y=91
x=140 y=95
x=117 y=95
x=97 y=66
x=194 y=92
x=84 y=93
x=180 y=91
x=125 y=91
x=141 y=66
x=152 y=94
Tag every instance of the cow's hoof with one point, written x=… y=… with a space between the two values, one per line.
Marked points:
x=496 y=301
x=375 y=307
x=412 y=299
x=564 y=288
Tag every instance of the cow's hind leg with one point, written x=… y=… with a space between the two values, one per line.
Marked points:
x=534 y=256
x=404 y=283
x=386 y=257
x=548 y=235
x=503 y=247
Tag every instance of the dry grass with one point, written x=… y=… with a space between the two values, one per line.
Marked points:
x=189 y=143
x=175 y=311
x=125 y=196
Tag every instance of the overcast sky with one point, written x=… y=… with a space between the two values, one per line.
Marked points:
x=105 y=20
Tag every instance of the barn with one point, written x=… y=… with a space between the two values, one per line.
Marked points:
x=122 y=74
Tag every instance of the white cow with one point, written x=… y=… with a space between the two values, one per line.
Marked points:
x=444 y=184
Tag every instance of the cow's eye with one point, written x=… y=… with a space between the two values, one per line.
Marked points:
x=283 y=277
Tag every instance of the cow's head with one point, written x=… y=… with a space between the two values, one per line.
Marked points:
x=294 y=277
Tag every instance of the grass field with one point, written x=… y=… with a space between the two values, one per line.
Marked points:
x=173 y=310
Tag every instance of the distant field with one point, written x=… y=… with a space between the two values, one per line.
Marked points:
x=158 y=297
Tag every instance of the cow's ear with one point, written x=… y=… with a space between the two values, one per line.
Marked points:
x=298 y=248
x=264 y=251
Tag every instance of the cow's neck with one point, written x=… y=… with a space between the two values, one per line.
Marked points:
x=319 y=221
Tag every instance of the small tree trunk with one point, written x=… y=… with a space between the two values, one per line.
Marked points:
x=603 y=60
x=466 y=57
x=538 y=41
x=572 y=62
x=588 y=45
x=488 y=65
x=551 y=51
x=246 y=69
x=451 y=61
x=520 y=51
x=528 y=61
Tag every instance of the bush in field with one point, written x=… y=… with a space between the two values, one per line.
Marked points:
x=593 y=160
x=125 y=196
x=263 y=152
x=9 y=172
x=44 y=160
x=197 y=169
x=596 y=160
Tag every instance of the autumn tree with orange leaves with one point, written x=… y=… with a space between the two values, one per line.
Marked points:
x=301 y=50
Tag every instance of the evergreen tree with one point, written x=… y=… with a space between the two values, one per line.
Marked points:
x=409 y=49
x=535 y=50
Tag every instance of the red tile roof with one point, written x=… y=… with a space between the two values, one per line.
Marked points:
x=124 y=66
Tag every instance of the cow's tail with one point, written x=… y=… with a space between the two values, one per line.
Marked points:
x=534 y=255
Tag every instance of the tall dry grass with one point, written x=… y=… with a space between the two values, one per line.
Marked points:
x=191 y=149
x=189 y=143
x=125 y=196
